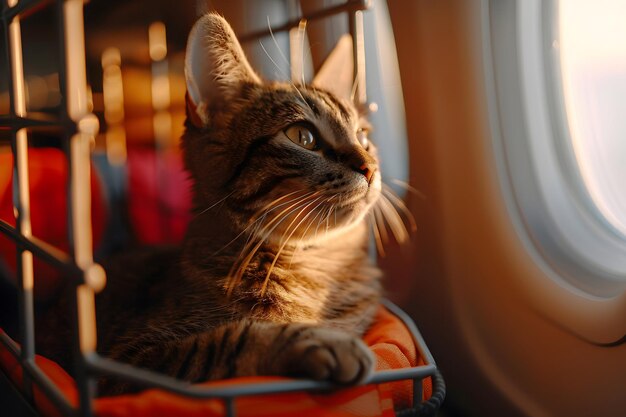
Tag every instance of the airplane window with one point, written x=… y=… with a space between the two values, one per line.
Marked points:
x=592 y=45
x=559 y=73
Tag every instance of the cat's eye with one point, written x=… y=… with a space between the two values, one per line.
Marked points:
x=302 y=136
x=361 y=136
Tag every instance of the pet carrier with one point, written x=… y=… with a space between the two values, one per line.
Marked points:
x=40 y=383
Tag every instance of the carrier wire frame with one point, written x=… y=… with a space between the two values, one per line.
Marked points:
x=79 y=127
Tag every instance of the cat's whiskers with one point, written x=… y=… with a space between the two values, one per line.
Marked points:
x=280 y=51
x=318 y=215
x=264 y=238
x=294 y=205
x=280 y=70
x=387 y=191
x=265 y=232
x=240 y=267
x=282 y=74
x=261 y=214
x=380 y=221
x=321 y=220
x=234 y=275
x=374 y=224
x=284 y=240
x=221 y=200
x=258 y=219
x=306 y=230
x=326 y=217
x=282 y=55
x=301 y=96
x=405 y=185
x=376 y=231
x=385 y=215
x=393 y=219
x=330 y=212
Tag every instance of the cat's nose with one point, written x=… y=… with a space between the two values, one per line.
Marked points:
x=362 y=163
x=367 y=171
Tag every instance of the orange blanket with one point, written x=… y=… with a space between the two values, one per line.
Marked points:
x=388 y=338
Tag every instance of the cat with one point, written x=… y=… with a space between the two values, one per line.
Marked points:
x=273 y=276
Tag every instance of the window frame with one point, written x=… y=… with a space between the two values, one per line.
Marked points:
x=582 y=255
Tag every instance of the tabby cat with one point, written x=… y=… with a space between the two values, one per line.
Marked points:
x=273 y=276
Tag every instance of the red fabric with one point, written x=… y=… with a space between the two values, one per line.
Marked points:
x=47 y=170
x=388 y=338
x=159 y=196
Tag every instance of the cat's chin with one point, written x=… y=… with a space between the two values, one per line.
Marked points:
x=344 y=219
x=338 y=233
x=340 y=223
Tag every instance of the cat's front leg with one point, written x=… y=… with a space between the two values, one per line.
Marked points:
x=251 y=347
x=247 y=348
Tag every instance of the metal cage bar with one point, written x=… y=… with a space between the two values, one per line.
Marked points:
x=103 y=366
x=44 y=251
x=17 y=122
x=97 y=365
x=79 y=126
x=349 y=6
x=17 y=7
x=355 y=25
x=21 y=195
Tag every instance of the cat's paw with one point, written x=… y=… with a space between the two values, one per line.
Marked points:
x=329 y=355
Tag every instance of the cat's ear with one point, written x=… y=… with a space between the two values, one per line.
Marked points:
x=215 y=66
x=337 y=72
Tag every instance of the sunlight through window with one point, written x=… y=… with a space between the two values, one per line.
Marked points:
x=593 y=64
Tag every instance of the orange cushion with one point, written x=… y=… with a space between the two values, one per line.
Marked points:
x=388 y=338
